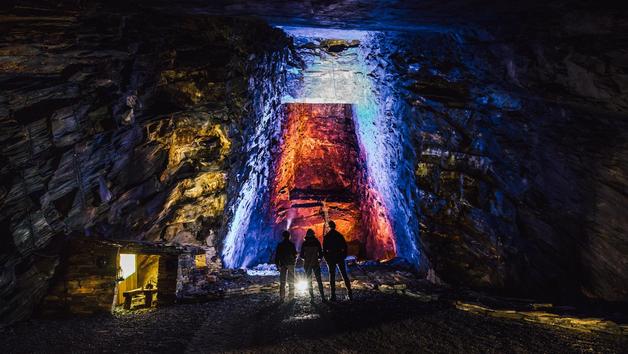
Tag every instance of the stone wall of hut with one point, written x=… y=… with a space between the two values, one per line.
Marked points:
x=86 y=282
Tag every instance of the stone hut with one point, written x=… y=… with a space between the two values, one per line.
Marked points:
x=100 y=275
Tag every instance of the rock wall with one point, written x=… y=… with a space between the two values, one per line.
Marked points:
x=122 y=124
x=319 y=174
x=517 y=139
x=247 y=240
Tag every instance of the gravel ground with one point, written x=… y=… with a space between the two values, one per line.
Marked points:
x=373 y=322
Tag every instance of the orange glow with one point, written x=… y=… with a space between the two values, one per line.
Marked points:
x=319 y=173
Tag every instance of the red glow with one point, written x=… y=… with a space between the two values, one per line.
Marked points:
x=319 y=170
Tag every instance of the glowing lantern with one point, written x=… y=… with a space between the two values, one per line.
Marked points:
x=301 y=286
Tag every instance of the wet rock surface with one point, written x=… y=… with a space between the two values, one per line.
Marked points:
x=373 y=322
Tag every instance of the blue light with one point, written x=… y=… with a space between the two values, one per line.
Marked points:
x=375 y=114
x=232 y=250
x=247 y=240
x=324 y=33
x=345 y=78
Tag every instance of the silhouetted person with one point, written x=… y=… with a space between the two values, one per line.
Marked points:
x=312 y=253
x=335 y=252
x=285 y=257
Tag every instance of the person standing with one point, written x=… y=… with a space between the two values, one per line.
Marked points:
x=312 y=253
x=285 y=258
x=335 y=252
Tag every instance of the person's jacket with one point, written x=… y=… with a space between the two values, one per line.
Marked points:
x=334 y=247
x=286 y=254
x=311 y=252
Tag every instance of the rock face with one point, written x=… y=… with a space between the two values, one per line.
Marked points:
x=319 y=175
x=509 y=153
x=517 y=141
x=120 y=125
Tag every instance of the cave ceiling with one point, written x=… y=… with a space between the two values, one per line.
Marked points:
x=399 y=15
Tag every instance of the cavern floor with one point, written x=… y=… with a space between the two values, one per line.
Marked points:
x=374 y=322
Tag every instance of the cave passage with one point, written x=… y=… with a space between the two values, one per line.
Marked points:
x=327 y=151
x=320 y=175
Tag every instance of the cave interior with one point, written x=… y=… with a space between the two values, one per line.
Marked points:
x=476 y=145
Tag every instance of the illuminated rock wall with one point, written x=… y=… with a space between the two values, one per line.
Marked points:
x=385 y=137
x=341 y=66
x=320 y=175
x=330 y=68
x=248 y=238
x=484 y=151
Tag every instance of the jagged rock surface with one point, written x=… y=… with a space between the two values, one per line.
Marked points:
x=119 y=126
x=517 y=139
